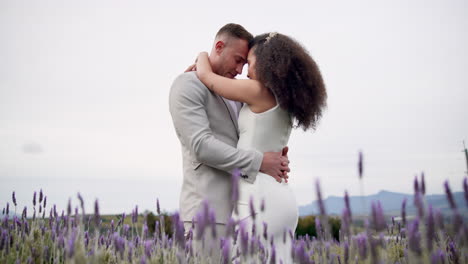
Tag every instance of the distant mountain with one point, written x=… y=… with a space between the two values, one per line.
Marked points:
x=391 y=203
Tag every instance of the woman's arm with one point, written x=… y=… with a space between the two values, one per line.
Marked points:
x=247 y=91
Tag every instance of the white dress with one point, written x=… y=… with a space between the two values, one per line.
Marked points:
x=267 y=131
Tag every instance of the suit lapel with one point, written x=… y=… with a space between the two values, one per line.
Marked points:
x=232 y=114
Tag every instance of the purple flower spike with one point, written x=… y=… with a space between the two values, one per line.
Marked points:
x=13 y=198
x=450 y=199
x=465 y=189
x=226 y=250
x=403 y=212
x=178 y=230
x=265 y=231
x=148 y=245
x=244 y=236
x=158 y=210
x=319 y=198
x=69 y=207
x=453 y=253
x=41 y=196
x=96 y=213
x=212 y=220
x=230 y=227
x=438 y=257
x=362 y=246
x=318 y=227
x=345 y=221
x=45 y=201
x=423 y=184
x=416 y=185
x=7 y=208
x=414 y=237
x=252 y=208
x=347 y=204
x=430 y=228
x=71 y=244
x=418 y=202
x=34 y=199
x=378 y=219
x=360 y=165
x=346 y=252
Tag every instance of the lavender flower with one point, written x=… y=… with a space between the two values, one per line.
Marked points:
x=423 y=184
x=438 y=257
x=158 y=210
x=148 y=248
x=96 y=213
x=45 y=202
x=34 y=199
x=318 y=227
x=69 y=207
x=416 y=184
x=319 y=198
x=450 y=199
x=265 y=231
x=430 y=229
x=378 y=219
x=273 y=255
x=453 y=253
x=244 y=236
x=7 y=208
x=25 y=213
x=230 y=227
x=347 y=204
x=226 y=252
x=346 y=253
x=13 y=198
x=71 y=243
x=251 y=207
x=418 y=202
x=81 y=203
x=262 y=205
x=465 y=189
x=362 y=246
x=178 y=230
x=414 y=237
x=403 y=212
x=212 y=221
x=41 y=196
x=360 y=165
x=86 y=239
x=345 y=221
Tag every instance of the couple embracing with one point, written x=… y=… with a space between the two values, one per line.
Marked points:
x=226 y=125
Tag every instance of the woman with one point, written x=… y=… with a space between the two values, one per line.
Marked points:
x=285 y=90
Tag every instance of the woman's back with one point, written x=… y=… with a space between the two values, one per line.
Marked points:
x=266 y=131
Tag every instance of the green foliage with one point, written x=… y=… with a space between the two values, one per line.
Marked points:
x=306 y=225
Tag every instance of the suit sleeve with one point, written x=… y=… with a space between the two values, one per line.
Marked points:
x=187 y=107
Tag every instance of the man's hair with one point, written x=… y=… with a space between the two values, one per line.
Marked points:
x=236 y=31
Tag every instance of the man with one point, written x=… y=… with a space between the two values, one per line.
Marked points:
x=206 y=125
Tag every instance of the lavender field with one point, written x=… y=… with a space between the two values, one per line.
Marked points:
x=72 y=236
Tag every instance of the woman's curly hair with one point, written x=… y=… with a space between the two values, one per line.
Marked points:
x=286 y=68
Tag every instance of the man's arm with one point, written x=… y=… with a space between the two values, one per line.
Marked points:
x=187 y=107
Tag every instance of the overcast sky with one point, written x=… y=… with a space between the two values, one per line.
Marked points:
x=84 y=91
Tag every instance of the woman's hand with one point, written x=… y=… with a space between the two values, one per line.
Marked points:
x=203 y=65
x=192 y=67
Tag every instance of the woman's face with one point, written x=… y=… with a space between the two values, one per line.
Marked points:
x=251 y=59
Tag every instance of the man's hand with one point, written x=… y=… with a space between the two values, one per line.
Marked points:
x=276 y=164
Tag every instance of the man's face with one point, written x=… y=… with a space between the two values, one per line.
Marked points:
x=232 y=57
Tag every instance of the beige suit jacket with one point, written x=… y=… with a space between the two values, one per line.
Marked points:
x=206 y=126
